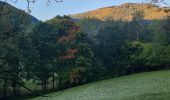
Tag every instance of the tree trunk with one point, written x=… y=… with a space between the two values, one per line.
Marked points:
x=5 y=88
x=42 y=85
x=137 y=35
x=46 y=85
x=14 y=88
x=53 y=81
x=60 y=83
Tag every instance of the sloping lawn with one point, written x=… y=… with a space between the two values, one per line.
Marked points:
x=142 y=86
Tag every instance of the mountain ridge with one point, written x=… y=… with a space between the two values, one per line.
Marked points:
x=14 y=9
x=125 y=12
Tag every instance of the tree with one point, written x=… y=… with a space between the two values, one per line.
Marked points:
x=11 y=28
x=110 y=38
x=166 y=31
x=157 y=1
x=42 y=38
x=137 y=23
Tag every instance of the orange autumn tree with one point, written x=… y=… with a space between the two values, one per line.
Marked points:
x=73 y=47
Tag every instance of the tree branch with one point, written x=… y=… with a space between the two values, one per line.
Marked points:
x=2 y=7
x=7 y=78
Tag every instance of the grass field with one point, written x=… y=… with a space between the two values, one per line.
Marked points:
x=142 y=86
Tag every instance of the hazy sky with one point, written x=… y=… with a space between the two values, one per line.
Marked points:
x=43 y=12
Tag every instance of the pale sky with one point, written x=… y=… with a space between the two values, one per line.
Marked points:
x=43 y=12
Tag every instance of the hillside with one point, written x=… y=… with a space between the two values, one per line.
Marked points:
x=6 y=8
x=125 y=12
x=142 y=86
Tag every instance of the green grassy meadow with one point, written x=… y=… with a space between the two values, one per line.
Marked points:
x=142 y=86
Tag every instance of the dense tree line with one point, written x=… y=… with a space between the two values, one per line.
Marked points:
x=122 y=47
x=54 y=54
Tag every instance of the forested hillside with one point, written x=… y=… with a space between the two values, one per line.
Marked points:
x=122 y=47
x=125 y=11
x=40 y=57
x=6 y=10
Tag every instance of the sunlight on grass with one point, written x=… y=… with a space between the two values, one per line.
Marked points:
x=143 y=86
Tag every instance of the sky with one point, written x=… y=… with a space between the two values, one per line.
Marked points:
x=43 y=12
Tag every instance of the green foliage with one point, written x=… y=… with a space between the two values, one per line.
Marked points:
x=115 y=47
x=60 y=53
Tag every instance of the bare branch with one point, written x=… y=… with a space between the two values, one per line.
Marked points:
x=159 y=1
x=29 y=2
x=2 y=7
x=7 y=78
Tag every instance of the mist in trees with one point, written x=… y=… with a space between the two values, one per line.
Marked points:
x=128 y=47
x=60 y=53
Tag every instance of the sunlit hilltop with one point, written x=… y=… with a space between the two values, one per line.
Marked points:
x=125 y=12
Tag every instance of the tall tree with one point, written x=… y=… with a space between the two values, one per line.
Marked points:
x=137 y=23
x=12 y=26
